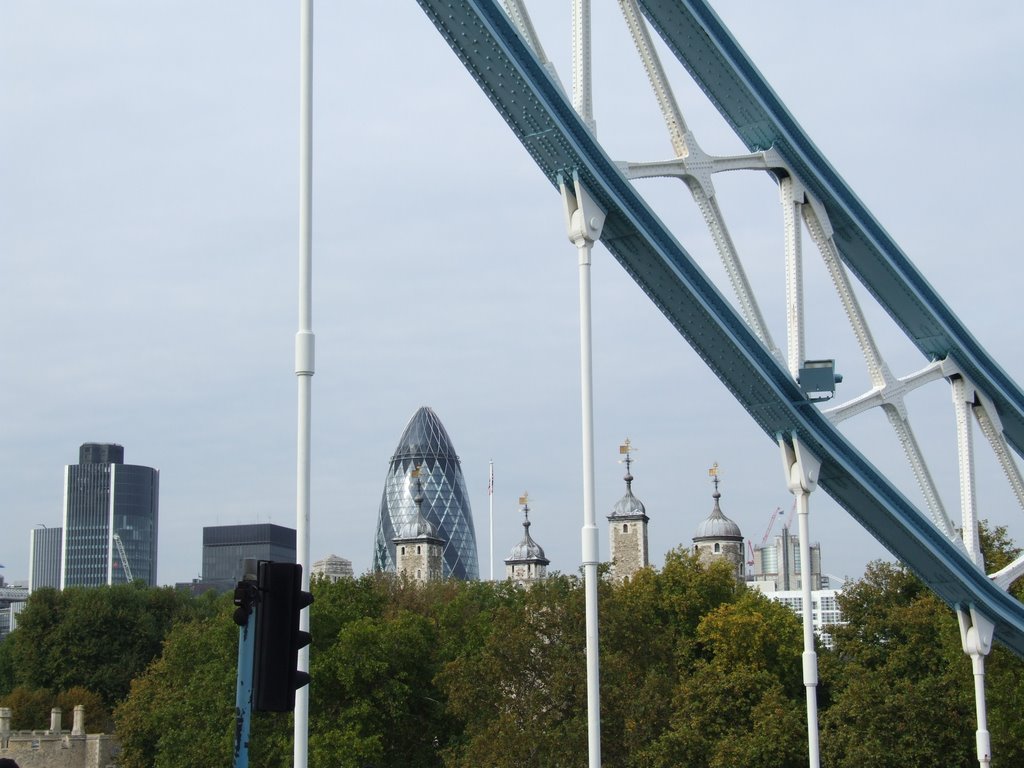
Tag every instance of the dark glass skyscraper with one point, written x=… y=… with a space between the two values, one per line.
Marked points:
x=110 y=519
x=226 y=547
x=425 y=444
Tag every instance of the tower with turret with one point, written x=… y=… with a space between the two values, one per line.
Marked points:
x=718 y=537
x=526 y=564
x=418 y=549
x=627 y=527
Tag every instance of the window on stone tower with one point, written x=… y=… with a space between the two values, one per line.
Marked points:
x=403 y=550
x=625 y=527
x=418 y=552
x=718 y=547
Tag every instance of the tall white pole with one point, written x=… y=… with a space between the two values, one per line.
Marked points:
x=802 y=468
x=584 y=220
x=585 y=224
x=304 y=347
x=589 y=531
x=810 y=656
x=490 y=499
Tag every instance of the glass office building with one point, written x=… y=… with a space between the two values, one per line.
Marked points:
x=425 y=444
x=44 y=558
x=226 y=547
x=110 y=519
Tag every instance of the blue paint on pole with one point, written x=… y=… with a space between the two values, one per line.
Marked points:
x=243 y=691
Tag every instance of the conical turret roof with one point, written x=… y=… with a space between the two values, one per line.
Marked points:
x=717 y=525
x=527 y=550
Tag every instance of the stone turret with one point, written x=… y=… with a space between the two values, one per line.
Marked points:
x=718 y=537
x=418 y=549
x=627 y=527
x=526 y=564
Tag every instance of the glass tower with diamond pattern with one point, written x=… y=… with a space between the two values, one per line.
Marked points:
x=425 y=444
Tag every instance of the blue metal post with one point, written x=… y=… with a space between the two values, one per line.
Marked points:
x=243 y=692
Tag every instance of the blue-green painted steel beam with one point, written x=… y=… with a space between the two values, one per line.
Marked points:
x=537 y=111
x=703 y=44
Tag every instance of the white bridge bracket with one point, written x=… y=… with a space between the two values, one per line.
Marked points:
x=584 y=218
x=976 y=631
x=800 y=465
x=802 y=469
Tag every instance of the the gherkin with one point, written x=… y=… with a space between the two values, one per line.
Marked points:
x=425 y=444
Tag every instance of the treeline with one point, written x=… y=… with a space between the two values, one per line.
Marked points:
x=695 y=671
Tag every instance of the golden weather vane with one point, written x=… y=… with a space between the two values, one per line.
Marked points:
x=713 y=474
x=627 y=449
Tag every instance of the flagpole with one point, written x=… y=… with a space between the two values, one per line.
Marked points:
x=491 y=500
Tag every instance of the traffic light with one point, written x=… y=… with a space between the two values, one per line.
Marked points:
x=278 y=639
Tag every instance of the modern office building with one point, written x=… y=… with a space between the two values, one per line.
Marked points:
x=226 y=547
x=12 y=600
x=825 y=611
x=777 y=566
x=110 y=519
x=44 y=549
x=425 y=444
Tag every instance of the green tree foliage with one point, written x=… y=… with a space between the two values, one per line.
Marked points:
x=6 y=667
x=98 y=639
x=181 y=711
x=381 y=642
x=901 y=687
x=30 y=708
x=97 y=717
x=741 y=702
x=521 y=696
x=695 y=670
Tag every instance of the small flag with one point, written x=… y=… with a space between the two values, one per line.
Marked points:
x=490 y=481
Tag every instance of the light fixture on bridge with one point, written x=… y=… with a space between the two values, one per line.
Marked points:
x=818 y=379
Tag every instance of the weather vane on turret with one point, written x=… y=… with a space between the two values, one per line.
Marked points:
x=713 y=474
x=626 y=450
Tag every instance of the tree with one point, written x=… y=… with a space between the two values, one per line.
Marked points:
x=6 y=667
x=521 y=696
x=373 y=702
x=648 y=643
x=98 y=638
x=30 y=708
x=181 y=711
x=742 y=702
x=901 y=686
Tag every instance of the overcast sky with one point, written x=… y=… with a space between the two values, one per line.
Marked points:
x=148 y=263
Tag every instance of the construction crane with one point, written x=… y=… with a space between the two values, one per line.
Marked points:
x=124 y=558
x=764 y=540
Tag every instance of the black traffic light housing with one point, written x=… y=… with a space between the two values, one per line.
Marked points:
x=278 y=639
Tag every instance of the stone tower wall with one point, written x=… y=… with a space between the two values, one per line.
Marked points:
x=730 y=551
x=628 y=548
x=418 y=559
x=525 y=574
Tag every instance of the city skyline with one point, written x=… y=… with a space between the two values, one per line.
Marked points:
x=168 y=189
